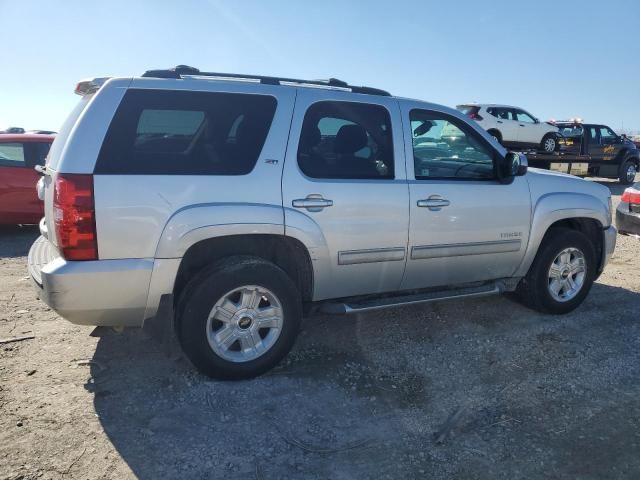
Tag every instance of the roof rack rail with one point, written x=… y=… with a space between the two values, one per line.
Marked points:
x=185 y=70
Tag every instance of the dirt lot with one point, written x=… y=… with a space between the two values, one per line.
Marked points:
x=475 y=389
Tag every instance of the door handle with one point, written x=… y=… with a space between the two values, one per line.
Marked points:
x=434 y=202
x=521 y=125
x=313 y=203
x=499 y=121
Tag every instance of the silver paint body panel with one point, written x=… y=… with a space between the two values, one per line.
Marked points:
x=366 y=215
x=372 y=239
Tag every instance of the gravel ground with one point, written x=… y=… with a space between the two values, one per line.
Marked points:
x=468 y=389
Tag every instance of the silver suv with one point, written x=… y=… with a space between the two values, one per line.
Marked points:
x=249 y=201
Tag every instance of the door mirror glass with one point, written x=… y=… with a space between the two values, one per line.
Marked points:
x=515 y=164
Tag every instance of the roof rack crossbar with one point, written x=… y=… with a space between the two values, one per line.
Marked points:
x=184 y=70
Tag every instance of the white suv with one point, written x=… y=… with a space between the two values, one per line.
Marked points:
x=512 y=126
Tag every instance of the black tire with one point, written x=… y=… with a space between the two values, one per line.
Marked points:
x=205 y=289
x=495 y=134
x=533 y=290
x=547 y=141
x=628 y=172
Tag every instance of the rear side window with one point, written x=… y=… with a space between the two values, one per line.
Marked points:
x=12 y=154
x=346 y=140
x=167 y=132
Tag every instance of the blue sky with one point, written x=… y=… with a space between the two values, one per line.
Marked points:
x=555 y=59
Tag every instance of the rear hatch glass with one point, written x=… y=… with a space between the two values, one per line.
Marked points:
x=468 y=109
x=53 y=158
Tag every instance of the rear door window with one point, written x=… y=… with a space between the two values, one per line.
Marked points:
x=165 y=132
x=12 y=154
x=346 y=140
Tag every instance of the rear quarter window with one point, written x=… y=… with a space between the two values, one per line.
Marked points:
x=166 y=132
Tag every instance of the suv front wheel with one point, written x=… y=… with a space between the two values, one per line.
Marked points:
x=561 y=274
x=238 y=318
x=628 y=172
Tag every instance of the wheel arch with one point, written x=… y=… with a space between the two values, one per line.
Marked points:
x=286 y=252
x=492 y=130
x=580 y=212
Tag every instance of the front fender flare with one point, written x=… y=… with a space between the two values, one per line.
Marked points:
x=555 y=207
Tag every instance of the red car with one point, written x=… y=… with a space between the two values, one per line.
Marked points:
x=19 y=154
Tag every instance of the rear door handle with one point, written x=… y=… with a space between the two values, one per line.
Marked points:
x=434 y=202
x=313 y=203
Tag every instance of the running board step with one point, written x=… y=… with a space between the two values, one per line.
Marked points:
x=368 y=305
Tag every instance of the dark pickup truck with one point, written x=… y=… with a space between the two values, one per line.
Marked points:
x=587 y=149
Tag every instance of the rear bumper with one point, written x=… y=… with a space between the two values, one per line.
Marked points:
x=628 y=222
x=103 y=292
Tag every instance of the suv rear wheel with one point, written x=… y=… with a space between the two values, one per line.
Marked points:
x=495 y=134
x=549 y=143
x=238 y=318
x=561 y=274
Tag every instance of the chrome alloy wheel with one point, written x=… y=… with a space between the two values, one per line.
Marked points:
x=631 y=173
x=550 y=145
x=244 y=324
x=567 y=274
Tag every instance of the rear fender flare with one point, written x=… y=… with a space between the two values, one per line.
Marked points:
x=192 y=224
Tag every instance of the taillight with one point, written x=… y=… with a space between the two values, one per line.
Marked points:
x=631 y=195
x=74 y=216
x=475 y=116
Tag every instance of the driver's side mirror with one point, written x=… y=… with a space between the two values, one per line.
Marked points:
x=514 y=165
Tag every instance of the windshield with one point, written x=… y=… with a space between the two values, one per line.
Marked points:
x=571 y=131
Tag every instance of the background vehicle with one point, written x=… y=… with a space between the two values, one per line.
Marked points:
x=245 y=203
x=628 y=211
x=591 y=149
x=513 y=126
x=19 y=154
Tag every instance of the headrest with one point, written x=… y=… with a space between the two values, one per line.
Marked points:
x=310 y=137
x=350 y=139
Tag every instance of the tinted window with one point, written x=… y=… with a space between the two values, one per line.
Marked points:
x=346 y=140
x=572 y=131
x=607 y=135
x=36 y=153
x=12 y=154
x=594 y=136
x=502 y=113
x=445 y=147
x=186 y=133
